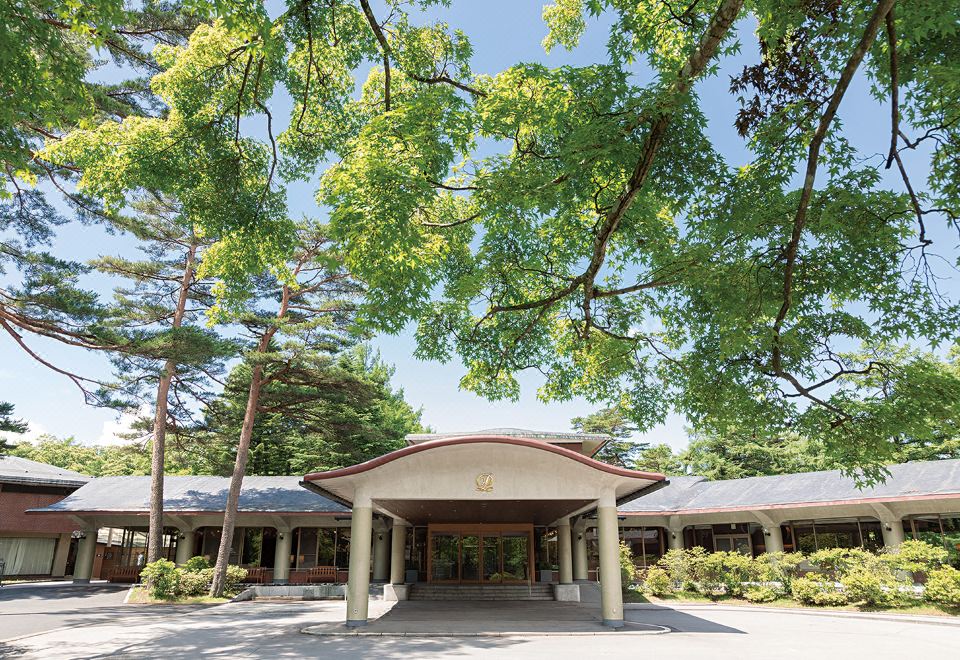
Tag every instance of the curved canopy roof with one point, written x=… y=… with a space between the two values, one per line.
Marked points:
x=482 y=468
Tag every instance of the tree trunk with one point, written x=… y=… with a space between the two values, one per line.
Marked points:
x=155 y=534
x=155 y=531
x=243 y=449
x=236 y=481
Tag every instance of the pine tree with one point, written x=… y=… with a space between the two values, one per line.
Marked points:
x=308 y=311
x=168 y=356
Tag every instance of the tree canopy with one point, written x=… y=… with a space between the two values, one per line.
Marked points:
x=581 y=221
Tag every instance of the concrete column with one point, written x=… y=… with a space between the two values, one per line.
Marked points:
x=580 y=553
x=59 y=568
x=281 y=557
x=381 y=555
x=184 y=546
x=892 y=531
x=772 y=538
x=398 y=546
x=358 y=583
x=675 y=538
x=611 y=589
x=86 y=553
x=563 y=551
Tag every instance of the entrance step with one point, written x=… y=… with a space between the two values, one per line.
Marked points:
x=481 y=592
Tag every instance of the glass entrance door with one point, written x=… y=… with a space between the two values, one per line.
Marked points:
x=476 y=554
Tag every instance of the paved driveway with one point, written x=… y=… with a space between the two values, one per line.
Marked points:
x=29 y=609
x=272 y=630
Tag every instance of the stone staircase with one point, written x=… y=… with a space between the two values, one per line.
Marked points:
x=537 y=591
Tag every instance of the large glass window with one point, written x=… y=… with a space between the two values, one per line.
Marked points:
x=515 y=557
x=646 y=544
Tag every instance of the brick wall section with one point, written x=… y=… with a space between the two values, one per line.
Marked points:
x=14 y=519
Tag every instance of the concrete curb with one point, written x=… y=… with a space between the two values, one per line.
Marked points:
x=945 y=620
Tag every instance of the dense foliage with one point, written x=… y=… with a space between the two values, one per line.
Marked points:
x=581 y=220
x=837 y=576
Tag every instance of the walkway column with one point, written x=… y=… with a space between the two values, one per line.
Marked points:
x=611 y=589
x=563 y=551
x=358 y=582
x=381 y=554
x=59 y=568
x=580 y=552
x=83 y=567
x=184 y=546
x=772 y=539
x=892 y=531
x=398 y=546
x=281 y=556
x=674 y=534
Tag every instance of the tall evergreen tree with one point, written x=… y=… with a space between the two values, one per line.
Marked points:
x=168 y=356
x=334 y=407
x=620 y=449
x=9 y=425
x=308 y=310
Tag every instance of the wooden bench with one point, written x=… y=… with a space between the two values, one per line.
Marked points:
x=124 y=574
x=257 y=575
x=322 y=574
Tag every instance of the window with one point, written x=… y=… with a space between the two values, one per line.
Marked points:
x=942 y=530
x=27 y=556
x=646 y=544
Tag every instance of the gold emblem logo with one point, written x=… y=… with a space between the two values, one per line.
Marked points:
x=484 y=482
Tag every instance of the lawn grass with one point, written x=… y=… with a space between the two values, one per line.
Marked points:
x=141 y=596
x=927 y=609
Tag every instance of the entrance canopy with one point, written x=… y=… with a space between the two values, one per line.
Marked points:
x=482 y=478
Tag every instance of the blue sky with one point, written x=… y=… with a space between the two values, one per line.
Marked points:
x=503 y=32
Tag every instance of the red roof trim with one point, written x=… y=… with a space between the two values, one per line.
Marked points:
x=473 y=439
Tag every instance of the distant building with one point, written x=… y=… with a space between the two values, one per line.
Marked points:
x=35 y=545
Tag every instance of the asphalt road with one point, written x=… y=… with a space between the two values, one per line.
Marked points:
x=30 y=609
x=273 y=630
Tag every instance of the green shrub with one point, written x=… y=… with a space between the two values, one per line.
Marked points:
x=725 y=572
x=817 y=591
x=628 y=570
x=657 y=582
x=196 y=564
x=943 y=586
x=235 y=575
x=194 y=583
x=784 y=567
x=870 y=587
x=761 y=594
x=161 y=578
x=917 y=556
x=684 y=567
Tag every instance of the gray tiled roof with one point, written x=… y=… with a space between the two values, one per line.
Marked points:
x=196 y=494
x=14 y=469
x=548 y=436
x=696 y=493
